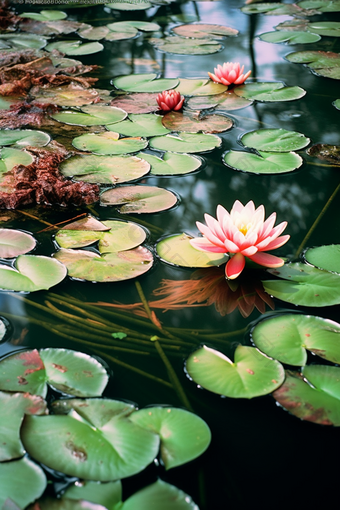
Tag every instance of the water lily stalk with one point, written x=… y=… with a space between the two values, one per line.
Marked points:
x=25 y=213
x=316 y=222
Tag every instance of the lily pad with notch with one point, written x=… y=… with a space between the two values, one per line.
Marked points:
x=139 y=199
x=269 y=92
x=177 y=250
x=137 y=102
x=148 y=82
x=23 y=137
x=199 y=87
x=109 y=267
x=92 y=115
x=171 y=163
x=290 y=37
x=251 y=374
x=44 y=15
x=325 y=28
x=67 y=371
x=181 y=46
x=324 y=257
x=186 y=142
x=105 y=169
x=22 y=41
x=227 y=101
x=142 y=5
x=275 y=140
x=312 y=395
x=75 y=47
x=204 y=31
x=108 y=143
x=263 y=162
x=119 y=31
x=31 y=273
x=196 y=122
x=288 y=337
x=9 y=158
x=304 y=285
x=14 y=243
x=321 y=63
x=145 y=125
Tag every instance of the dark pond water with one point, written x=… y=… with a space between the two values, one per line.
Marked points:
x=260 y=454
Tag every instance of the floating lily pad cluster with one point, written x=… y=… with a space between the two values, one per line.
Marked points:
x=321 y=63
x=303 y=8
x=95 y=439
x=302 y=32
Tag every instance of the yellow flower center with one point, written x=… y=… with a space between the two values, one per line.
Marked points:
x=244 y=228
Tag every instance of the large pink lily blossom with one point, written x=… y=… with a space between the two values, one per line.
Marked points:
x=229 y=73
x=170 y=100
x=242 y=233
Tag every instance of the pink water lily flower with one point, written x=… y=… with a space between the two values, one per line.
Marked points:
x=229 y=73
x=242 y=233
x=170 y=100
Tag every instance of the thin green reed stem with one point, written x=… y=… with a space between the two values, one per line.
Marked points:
x=316 y=222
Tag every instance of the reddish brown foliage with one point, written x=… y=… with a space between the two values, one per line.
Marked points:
x=25 y=114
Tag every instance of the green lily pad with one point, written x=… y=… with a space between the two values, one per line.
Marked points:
x=31 y=273
x=199 y=87
x=172 y=163
x=321 y=5
x=204 y=31
x=227 y=101
x=108 y=143
x=317 y=60
x=107 y=494
x=312 y=395
x=290 y=37
x=141 y=5
x=22 y=41
x=23 y=137
x=65 y=95
x=109 y=267
x=139 y=199
x=121 y=236
x=195 y=122
x=324 y=257
x=186 y=142
x=105 y=169
x=9 y=158
x=144 y=26
x=137 y=103
x=14 y=243
x=145 y=125
x=14 y=406
x=250 y=375
x=94 y=33
x=104 y=446
x=119 y=31
x=75 y=47
x=45 y=15
x=177 y=250
x=22 y=481
x=287 y=337
x=92 y=115
x=184 y=436
x=277 y=9
x=326 y=28
x=304 y=285
x=332 y=72
x=180 y=46
x=144 y=83
x=336 y=103
x=263 y=162
x=71 y=372
x=269 y=91
x=275 y=140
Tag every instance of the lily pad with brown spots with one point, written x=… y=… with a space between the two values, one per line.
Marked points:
x=196 y=122
x=138 y=102
x=182 y=46
x=204 y=31
x=227 y=101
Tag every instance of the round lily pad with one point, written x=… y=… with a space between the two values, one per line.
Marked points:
x=289 y=37
x=269 y=91
x=324 y=257
x=139 y=199
x=137 y=103
x=65 y=95
x=141 y=5
x=204 y=31
x=119 y=31
x=227 y=101
x=93 y=115
x=106 y=447
x=263 y=162
x=31 y=273
x=9 y=158
x=321 y=5
x=326 y=28
x=275 y=140
x=14 y=243
x=312 y=395
x=144 y=83
x=181 y=46
x=109 y=267
x=107 y=494
x=45 y=15
x=171 y=163
x=71 y=372
x=184 y=436
x=250 y=375
x=93 y=33
x=22 y=41
x=288 y=337
x=304 y=285
x=23 y=137
x=105 y=169
x=177 y=250
x=197 y=122
x=75 y=47
x=108 y=143
x=199 y=87
x=22 y=481
x=186 y=142
x=145 y=125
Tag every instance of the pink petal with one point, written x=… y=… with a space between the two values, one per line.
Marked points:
x=214 y=226
x=235 y=266
x=164 y=106
x=237 y=207
x=267 y=260
x=276 y=243
x=230 y=246
x=248 y=252
x=209 y=234
x=202 y=244
x=180 y=104
x=221 y=212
